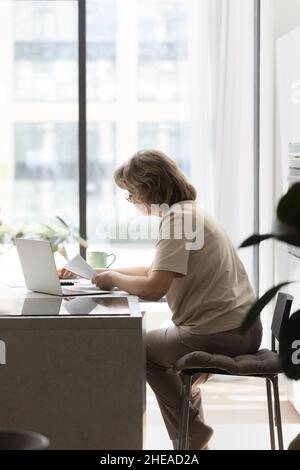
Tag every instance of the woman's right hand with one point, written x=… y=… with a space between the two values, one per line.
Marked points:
x=65 y=274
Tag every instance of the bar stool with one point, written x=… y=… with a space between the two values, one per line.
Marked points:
x=264 y=364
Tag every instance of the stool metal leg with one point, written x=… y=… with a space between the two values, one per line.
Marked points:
x=270 y=413
x=278 y=413
x=184 y=412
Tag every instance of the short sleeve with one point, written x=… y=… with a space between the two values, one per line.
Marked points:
x=171 y=252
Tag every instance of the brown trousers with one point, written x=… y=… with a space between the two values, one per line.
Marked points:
x=166 y=345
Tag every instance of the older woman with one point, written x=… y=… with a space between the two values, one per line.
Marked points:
x=198 y=270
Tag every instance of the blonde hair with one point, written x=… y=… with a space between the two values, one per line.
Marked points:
x=154 y=178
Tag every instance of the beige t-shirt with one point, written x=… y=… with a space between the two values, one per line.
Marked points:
x=213 y=292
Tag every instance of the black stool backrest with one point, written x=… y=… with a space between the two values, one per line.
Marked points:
x=281 y=315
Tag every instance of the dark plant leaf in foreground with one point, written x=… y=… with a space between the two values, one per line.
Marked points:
x=295 y=443
x=288 y=210
x=292 y=238
x=255 y=239
x=259 y=305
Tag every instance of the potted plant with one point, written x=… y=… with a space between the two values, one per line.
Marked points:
x=58 y=233
x=286 y=229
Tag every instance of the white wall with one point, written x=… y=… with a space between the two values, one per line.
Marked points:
x=286 y=16
x=278 y=18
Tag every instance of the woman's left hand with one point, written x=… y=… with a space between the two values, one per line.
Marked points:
x=104 y=280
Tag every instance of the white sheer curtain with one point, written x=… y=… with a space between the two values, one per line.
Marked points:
x=222 y=115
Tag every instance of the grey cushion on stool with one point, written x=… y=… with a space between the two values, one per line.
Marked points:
x=264 y=362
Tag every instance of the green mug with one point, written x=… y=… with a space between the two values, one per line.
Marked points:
x=98 y=259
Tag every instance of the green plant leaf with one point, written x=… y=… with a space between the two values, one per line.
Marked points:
x=57 y=234
x=63 y=252
x=7 y=234
x=259 y=305
x=56 y=241
x=6 y=228
x=255 y=239
x=61 y=220
x=80 y=240
x=73 y=233
x=48 y=229
x=288 y=210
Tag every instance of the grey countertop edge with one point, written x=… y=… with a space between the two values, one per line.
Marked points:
x=87 y=322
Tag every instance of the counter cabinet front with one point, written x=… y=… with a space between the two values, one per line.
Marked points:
x=79 y=380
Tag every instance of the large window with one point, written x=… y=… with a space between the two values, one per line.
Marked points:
x=101 y=35
x=158 y=75
x=138 y=97
x=39 y=110
x=45 y=50
x=163 y=50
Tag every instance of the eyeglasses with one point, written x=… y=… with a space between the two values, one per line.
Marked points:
x=128 y=196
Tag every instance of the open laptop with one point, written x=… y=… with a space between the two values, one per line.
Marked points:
x=39 y=270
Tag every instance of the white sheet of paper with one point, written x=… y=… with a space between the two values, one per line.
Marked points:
x=79 y=266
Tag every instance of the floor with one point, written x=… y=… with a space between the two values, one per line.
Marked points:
x=236 y=409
